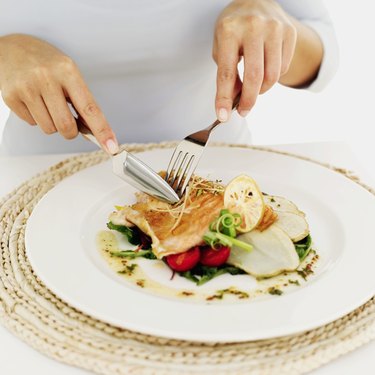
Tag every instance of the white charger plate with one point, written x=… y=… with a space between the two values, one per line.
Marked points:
x=61 y=246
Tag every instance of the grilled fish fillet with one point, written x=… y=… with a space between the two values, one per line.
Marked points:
x=173 y=229
x=269 y=217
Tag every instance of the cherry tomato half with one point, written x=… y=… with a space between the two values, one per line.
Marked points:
x=184 y=261
x=214 y=257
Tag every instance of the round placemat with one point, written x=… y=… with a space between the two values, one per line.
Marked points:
x=44 y=321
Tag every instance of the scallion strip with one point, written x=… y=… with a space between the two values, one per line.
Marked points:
x=227 y=221
x=231 y=232
x=214 y=238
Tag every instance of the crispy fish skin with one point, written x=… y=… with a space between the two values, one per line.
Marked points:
x=269 y=217
x=154 y=218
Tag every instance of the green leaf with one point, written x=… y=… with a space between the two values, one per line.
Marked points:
x=234 y=270
x=303 y=247
x=188 y=275
x=132 y=234
x=202 y=274
x=132 y=254
x=209 y=274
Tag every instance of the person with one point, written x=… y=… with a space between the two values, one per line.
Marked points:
x=142 y=71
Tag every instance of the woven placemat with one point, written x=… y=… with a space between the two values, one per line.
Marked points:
x=33 y=313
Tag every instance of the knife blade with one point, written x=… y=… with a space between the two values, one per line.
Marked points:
x=132 y=170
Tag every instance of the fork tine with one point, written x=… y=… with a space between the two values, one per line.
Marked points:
x=192 y=145
x=172 y=163
x=177 y=170
x=193 y=164
x=184 y=169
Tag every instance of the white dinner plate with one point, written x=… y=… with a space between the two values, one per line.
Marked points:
x=61 y=246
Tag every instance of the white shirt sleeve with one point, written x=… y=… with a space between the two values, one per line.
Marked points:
x=314 y=14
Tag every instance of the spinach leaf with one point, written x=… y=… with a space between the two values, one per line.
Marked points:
x=303 y=247
x=188 y=275
x=202 y=274
x=132 y=234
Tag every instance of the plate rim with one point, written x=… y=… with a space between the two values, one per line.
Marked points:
x=221 y=338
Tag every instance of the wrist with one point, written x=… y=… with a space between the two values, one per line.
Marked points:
x=307 y=58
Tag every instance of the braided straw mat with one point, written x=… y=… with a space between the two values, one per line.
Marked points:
x=48 y=324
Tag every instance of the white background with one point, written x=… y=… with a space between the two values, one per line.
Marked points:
x=344 y=111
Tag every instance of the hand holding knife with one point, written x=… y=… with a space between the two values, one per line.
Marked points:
x=131 y=169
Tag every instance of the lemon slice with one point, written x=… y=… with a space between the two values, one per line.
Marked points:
x=243 y=196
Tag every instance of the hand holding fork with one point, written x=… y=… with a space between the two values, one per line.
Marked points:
x=187 y=154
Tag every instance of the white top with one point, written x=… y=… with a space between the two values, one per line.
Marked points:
x=148 y=64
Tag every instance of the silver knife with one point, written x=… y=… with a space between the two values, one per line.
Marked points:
x=132 y=170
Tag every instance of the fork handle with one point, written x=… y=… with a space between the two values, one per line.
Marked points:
x=236 y=101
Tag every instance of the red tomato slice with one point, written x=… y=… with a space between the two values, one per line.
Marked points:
x=214 y=258
x=184 y=261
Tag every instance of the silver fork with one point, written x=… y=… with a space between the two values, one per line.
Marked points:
x=187 y=154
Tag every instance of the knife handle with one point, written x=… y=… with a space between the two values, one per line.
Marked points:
x=86 y=132
x=83 y=127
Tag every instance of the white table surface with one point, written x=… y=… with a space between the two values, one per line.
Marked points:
x=18 y=358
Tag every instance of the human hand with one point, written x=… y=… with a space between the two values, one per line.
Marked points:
x=36 y=79
x=264 y=35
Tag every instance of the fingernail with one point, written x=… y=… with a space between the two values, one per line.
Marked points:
x=223 y=115
x=243 y=113
x=111 y=146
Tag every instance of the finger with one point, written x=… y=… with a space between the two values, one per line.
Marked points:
x=20 y=109
x=57 y=106
x=39 y=112
x=85 y=104
x=227 y=60
x=253 y=75
x=272 y=63
x=288 y=49
x=24 y=114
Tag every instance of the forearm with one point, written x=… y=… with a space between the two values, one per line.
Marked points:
x=307 y=57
